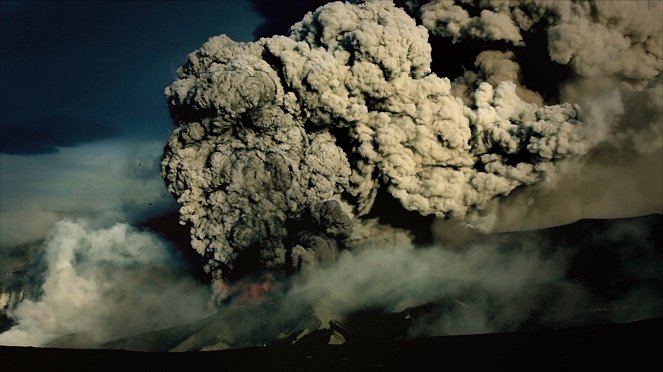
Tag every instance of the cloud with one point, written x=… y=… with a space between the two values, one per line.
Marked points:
x=25 y=225
x=620 y=177
x=108 y=180
x=106 y=283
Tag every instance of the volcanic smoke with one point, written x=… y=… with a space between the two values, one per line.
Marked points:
x=283 y=146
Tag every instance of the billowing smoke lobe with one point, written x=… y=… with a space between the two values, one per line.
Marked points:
x=344 y=122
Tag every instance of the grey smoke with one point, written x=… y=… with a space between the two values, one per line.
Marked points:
x=497 y=283
x=596 y=38
x=347 y=103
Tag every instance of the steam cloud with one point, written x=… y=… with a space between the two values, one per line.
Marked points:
x=105 y=283
x=281 y=145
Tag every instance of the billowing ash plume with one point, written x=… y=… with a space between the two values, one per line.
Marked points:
x=282 y=145
x=596 y=38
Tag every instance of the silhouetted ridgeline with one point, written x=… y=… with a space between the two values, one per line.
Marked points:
x=630 y=346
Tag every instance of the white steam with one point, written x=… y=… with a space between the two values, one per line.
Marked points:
x=106 y=283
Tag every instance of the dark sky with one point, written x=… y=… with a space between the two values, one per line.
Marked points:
x=74 y=72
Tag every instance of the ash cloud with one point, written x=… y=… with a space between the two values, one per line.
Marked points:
x=347 y=106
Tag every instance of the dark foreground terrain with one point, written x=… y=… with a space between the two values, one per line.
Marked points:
x=632 y=346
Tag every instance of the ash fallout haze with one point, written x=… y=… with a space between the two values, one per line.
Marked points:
x=444 y=167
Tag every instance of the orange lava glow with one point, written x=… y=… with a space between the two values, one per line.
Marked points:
x=246 y=291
